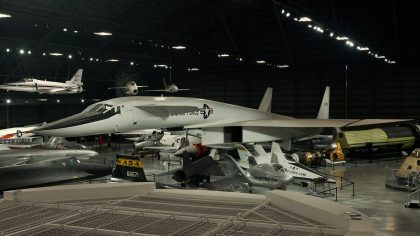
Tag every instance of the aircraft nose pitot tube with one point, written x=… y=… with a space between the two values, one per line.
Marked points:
x=195 y=151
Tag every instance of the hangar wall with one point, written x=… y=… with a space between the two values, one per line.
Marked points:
x=374 y=91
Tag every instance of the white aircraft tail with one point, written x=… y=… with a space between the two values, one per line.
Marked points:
x=244 y=156
x=324 y=110
x=278 y=155
x=265 y=104
x=259 y=150
x=77 y=78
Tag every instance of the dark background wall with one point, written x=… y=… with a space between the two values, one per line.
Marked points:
x=144 y=31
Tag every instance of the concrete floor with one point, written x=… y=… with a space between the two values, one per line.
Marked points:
x=384 y=206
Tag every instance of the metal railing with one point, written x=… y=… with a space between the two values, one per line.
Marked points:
x=344 y=182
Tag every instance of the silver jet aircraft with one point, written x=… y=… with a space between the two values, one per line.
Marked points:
x=75 y=85
x=167 y=88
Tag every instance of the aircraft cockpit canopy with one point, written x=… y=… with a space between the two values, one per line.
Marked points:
x=26 y=80
x=99 y=108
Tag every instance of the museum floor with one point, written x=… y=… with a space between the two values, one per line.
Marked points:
x=384 y=206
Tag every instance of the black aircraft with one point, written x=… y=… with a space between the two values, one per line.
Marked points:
x=49 y=172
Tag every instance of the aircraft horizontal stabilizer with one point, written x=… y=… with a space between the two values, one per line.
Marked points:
x=155 y=90
x=166 y=111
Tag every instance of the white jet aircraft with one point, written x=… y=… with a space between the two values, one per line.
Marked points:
x=167 y=88
x=75 y=85
x=220 y=122
x=301 y=173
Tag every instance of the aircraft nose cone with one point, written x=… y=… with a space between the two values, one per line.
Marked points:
x=288 y=178
x=91 y=153
x=190 y=151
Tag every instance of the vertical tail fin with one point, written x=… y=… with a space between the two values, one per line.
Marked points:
x=244 y=156
x=278 y=155
x=265 y=104
x=77 y=78
x=259 y=150
x=324 y=110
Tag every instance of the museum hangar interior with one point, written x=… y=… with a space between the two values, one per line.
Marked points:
x=95 y=95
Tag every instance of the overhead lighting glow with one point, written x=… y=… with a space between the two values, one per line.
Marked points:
x=193 y=69
x=161 y=66
x=304 y=19
x=7 y=49
x=44 y=54
x=8 y=101
x=331 y=34
x=55 y=54
x=113 y=60
x=282 y=66
x=310 y=26
x=3 y=15
x=260 y=61
x=288 y=14
x=21 y=51
x=179 y=47
x=75 y=31
x=349 y=43
x=82 y=100
x=58 y=100
x=103 y=33
x=318 y=29
x=65 y=29
x=29 y=52
x=97 y=59
x=223 y=55
x=362 y=48
x=70 y=56
x=91 y=59
x=282 y=11
x=341 y=38
x=132 y=63
x=392 y=62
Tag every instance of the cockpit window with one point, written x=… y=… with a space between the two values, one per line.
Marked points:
x=278 y=167
x=104 y=108
x=26 y=80
x=100 y=108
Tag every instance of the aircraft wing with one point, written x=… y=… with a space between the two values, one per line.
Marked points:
x=40 y=90
x=165 y=111
x=302 y=123
x=155 y=90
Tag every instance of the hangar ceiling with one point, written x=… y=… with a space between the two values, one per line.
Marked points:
x=298 y=61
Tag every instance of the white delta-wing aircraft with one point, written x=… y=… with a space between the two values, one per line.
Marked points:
x=167 y=88
x=220 y=122
x=75 y=85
